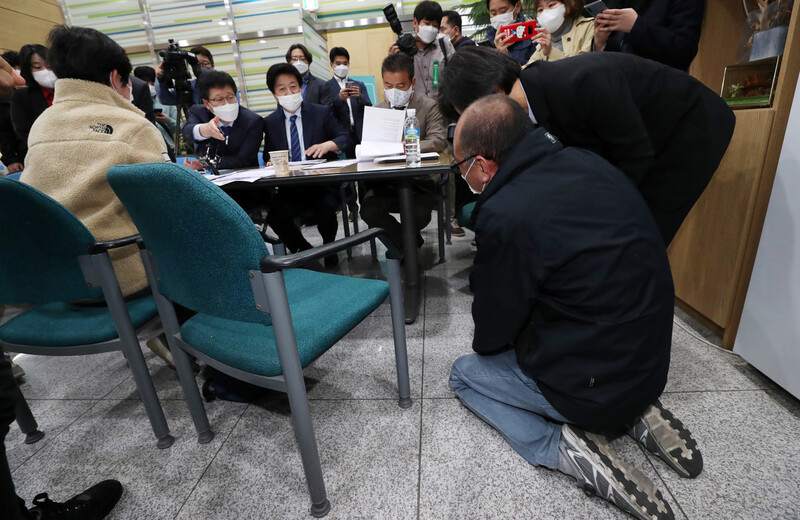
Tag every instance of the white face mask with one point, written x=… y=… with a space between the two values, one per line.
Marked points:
x=397 y=97
x=291 y=102
x=45 y=78
x=427 y=33
x=502 y=19
x=152 y=90
x=301 y=66
x=473 y=190
x=130 y=89
x=552 y=19
x=341 y=71
x=227 y=112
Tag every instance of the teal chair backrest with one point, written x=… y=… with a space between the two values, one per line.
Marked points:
x=204 y=244
x=40 y=241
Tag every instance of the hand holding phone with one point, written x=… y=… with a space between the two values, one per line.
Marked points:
x=518 y=31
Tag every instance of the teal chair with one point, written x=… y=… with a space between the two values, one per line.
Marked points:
x=50 y=259
x=259 y=318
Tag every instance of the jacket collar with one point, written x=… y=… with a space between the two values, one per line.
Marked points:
x=533 y=91
x=534 y=148
x=90 y=92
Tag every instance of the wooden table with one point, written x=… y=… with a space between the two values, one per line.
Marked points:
x=369 y=171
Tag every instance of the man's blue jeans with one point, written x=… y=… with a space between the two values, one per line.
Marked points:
x=495 y=388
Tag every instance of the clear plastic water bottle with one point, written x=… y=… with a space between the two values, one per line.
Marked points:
x=411 y=138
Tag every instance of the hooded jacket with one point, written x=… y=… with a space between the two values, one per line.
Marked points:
x=572 y=273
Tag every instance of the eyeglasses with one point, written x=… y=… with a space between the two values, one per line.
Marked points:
x=300 y=58
x=221 y=100
x=455 y=167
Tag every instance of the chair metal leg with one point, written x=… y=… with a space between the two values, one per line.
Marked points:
x=345 y=219
x=447 y=204
x=132 y=351
x=25 y=420
x=183 y=364
x=442 y=222
x=355 y=213
x=296 y=390
x=399 y=330
x=373 y=249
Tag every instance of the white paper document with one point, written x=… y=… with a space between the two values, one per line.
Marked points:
x=383 y=133
x=402 y=157
x=383 y=125
x=306 y=162
x=331 y=164
x=243 y=176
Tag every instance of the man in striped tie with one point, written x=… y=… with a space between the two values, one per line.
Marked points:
x=308 y=131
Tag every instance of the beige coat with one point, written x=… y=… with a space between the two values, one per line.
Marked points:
x=577 y=41
x=71 y=146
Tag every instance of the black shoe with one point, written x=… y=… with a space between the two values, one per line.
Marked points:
x=599 y=471
x=667 y=438
x=331 y=261
x=93 y=504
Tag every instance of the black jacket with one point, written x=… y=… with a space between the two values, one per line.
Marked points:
x=667 y=31
x=244 y=140
x=319 y=125
x=342 y=113
x=464 y=41
x=660 y=126
x=142 y=98
x=12 y=147
x=571 y=270
x=317 y=91
x=27 y=104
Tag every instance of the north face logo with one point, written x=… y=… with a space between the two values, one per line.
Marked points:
x=102 y=128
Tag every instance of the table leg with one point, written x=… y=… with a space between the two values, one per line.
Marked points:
x=411 y=300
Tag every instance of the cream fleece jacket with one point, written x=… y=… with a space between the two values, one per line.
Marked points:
x=71 y=146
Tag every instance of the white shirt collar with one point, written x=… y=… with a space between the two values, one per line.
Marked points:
x=527 y=102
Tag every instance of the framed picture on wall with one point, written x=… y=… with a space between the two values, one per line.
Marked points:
x=750 y=85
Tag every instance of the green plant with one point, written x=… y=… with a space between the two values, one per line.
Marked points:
x=479 y=14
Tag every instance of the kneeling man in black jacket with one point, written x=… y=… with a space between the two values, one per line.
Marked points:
x=573 y=308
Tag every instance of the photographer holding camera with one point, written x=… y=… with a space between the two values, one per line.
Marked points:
x=430 y=51
x=200 y=62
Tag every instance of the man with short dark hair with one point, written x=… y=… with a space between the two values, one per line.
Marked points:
x=167 y=95
x=314 y=89
x=433 y=50
x=573 y=309
x=380 y=198
x=451 y=28
x=349 y=97
x=502 y=13
x=660 y=126
x=308 y=131
x=221 y=127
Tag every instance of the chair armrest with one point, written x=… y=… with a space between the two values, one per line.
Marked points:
x=99 y=247
x=273 y=263
x=271 y=239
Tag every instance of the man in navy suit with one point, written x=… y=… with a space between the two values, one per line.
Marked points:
x=221 y=127
x=308 y=131
x=348 y=102
x=314 y=89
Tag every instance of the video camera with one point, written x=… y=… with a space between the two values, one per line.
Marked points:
x=176 y=74
x=405 y=42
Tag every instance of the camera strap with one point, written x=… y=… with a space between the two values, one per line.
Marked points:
x=443 y=47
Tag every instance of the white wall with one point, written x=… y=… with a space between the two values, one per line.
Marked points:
x=769 y=334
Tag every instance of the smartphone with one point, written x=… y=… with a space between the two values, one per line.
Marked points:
x=519 y=31
x=595 y=8
x=158 y=110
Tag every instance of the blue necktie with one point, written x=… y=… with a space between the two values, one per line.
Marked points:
x=226 y=131
x=296 y=151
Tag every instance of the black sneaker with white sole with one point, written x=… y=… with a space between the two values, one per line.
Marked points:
x=599 y=470
x=666 y=437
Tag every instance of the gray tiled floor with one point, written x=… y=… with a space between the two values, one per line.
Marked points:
x=435 y=460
